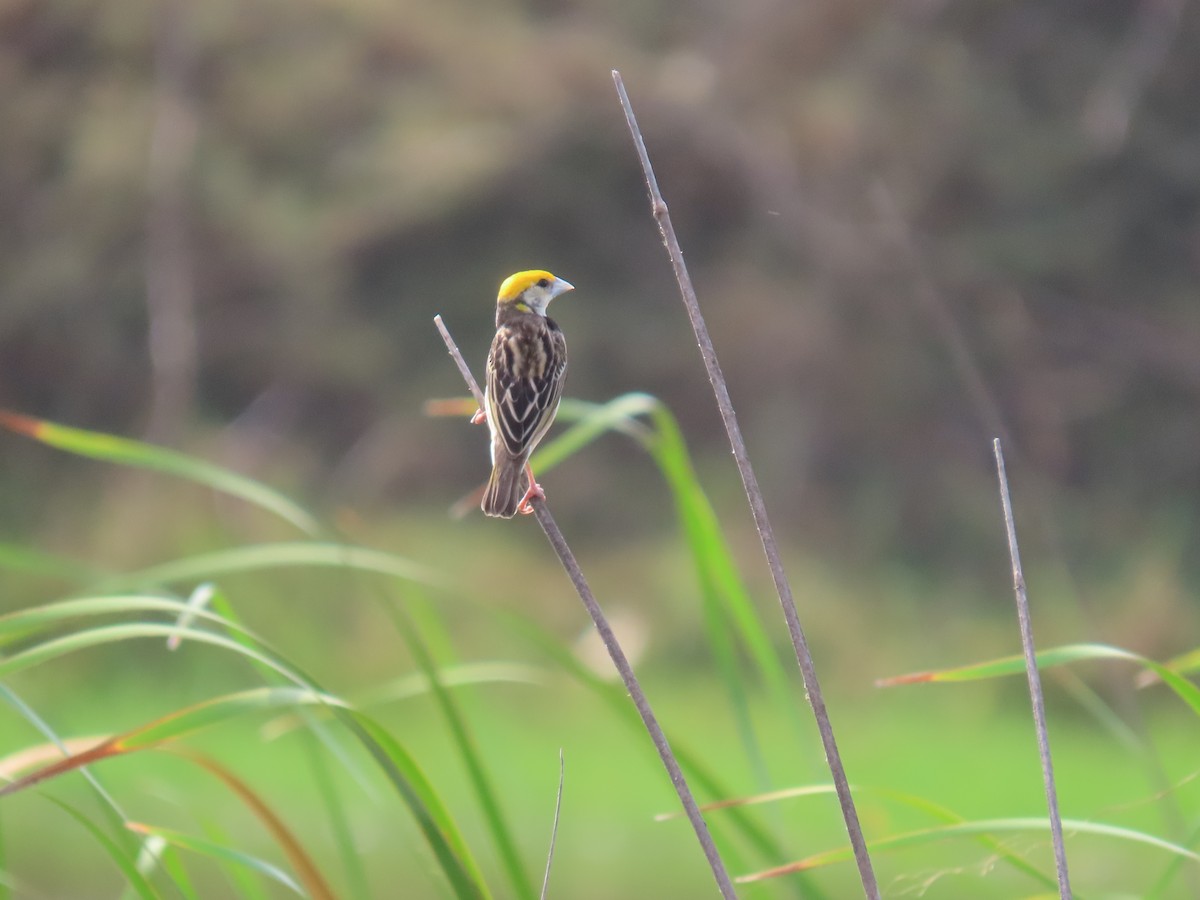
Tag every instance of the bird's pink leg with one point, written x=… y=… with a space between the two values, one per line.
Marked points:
x=525 y=507
x=479 y=418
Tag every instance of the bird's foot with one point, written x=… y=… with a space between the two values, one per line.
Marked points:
x=479 y=418
x=535 y=492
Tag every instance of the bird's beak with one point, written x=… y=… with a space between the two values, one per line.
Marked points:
x=561 y=287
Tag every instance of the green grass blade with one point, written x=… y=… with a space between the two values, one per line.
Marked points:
x=440 y=830
x=593 y=421
x=262 y=557
x=157 y=853
x=1171 y=870
x=16 y=558
x=1185 y=664
x=614 y=697
x=174 y=725
x=727 y=601
x=139 y=455
x=220 y=709
x=337 y=818
x=109 y=634
x=128 y=866
x=23 y=622
x=219 y=852
x=968 y=829
x=108 y=804
x=463 y=740
x=309 y=716
x=417 y=684
x=301 y=861
x=732 y=611
x=1047 y=659
x=921 y=804
x=247 y=884
x=431 y=814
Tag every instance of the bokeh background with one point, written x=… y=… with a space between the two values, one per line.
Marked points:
x=913 y=226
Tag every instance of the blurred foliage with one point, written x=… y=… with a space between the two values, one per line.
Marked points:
x=913 y=226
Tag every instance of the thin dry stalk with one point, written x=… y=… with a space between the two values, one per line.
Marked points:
x=562 y=772
x=617 y=654
x=757 y=506
x=1035 y=681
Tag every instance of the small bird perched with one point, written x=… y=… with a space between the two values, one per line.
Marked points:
x=526 y=368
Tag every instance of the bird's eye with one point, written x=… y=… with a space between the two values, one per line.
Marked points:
x=543 y=283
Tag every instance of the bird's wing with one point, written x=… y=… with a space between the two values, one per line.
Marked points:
x=525 y=381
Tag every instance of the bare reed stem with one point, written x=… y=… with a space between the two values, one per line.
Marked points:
x=757 y=506
x=1035 y=681
x=562 y=771
x=571 y=566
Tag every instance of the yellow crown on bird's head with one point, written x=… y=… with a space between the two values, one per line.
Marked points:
x=531 y=291
x=515 y=285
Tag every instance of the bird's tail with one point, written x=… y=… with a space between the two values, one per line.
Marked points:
x=506 y=488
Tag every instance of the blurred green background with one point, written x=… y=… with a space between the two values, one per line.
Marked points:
x=913 y=226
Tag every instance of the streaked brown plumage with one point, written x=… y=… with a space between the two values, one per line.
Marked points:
x=526 y=368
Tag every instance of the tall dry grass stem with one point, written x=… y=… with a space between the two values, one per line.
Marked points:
x=1035 y=681
x=758 y=507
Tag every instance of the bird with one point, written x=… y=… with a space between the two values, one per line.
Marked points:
x=526 y=369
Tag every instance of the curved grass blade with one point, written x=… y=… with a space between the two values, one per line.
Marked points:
x=432 y=817
x=23 y=622
x=128 y=867
x=196 y=602
x=336 y=818
x=306 y=869
x=139 y=455
x=109 y=806
x=417 y=684
x=936 y=810
x=614 y=697
x=1171 y=871
x=1046 y=659
x=17 y=558
x=108 y=634
x=259 y=557
x=962 y=829
x=309 y=716
x=419 y=624
x=1184 y=664
x=463 y=740
x=219 y=852
x=172 y=726
x=726 y=601
x=720 y=581
x=190 y=719
x=41 y=754
x=246 y=885
x=157 y=853
x=438 y=827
